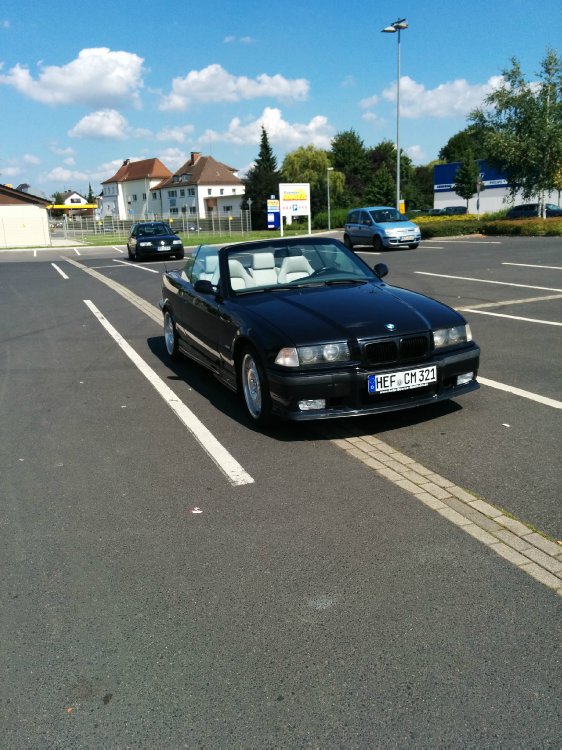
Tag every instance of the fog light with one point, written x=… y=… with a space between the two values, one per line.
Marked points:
x=312 y=403
x=465 y=378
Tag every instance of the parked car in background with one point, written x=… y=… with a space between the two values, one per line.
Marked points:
x=153 y=238
x=524 y=210
x=304 y=329
x=455 y=210
x=380 y=227
x=436 y=212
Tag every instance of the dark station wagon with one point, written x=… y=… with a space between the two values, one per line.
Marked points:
x=305 y=329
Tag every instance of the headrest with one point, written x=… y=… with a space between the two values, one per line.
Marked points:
x=263 y=260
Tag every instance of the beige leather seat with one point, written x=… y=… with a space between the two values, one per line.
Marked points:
x=293 y=268
x=239 y=277
x=263 y=269
x=211 y=265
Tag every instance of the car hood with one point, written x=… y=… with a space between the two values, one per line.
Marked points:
x=408 y=226
x=165 y=238
x=342 y=313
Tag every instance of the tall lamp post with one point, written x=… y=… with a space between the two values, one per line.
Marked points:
x=328 y=170
x=397 y=26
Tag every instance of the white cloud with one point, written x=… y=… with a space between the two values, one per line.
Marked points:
x=370 y=101
x=62 y=151
x=317 y=132
x=10 y=172
x=96 y=76
x=347 y=82
x=106 y=124
x=6 y=24
x=373 y=118
x=31 y=159
x=175 y=134
x=70 y=161
x=60 y=174
x=416 y=154
x=452 y=99
x=230 y=38
x=215 y=84
x=173 y=157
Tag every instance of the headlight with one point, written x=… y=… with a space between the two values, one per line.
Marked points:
x=452 y=336
x=292 y=356
x=145 y=244
x=176 y=242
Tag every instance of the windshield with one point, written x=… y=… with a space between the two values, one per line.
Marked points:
x=387 y=214
x=279 y=266
x=154 y=230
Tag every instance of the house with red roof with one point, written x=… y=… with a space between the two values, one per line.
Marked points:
x=23 y=218
x=128 y=194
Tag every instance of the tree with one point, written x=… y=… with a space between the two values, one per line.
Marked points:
x=382 y=188
x=349 y=156
x=310 y=164
x=469 y=139
x=467 y=177
x=90 y=197
x=522 y=128
x=261 y=182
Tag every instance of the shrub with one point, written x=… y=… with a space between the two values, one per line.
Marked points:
x=524 y=227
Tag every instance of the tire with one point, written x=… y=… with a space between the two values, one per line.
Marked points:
x=254 y=388
x=414 y=246
x=129 y=253
x=347 y=242
x=377 y=243
x=180 y=256
x=170 y=336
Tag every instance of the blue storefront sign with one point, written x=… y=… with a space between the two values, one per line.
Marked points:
x=444 y=176
x=273 y=214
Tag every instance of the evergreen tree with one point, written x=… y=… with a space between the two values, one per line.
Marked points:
x=90 y=197
x=466 y=177
x=349 y=156
x=382 y=188
x=261 y=182
x=469 y=139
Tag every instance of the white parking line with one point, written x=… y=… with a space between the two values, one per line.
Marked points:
x=511 y=317
x=520 y=392
x=118 y=249
x=523 y=301
x=473 y=242
x=489 y=281
x=135 y=265
x=531 y=265
x=235 y=473
x=62 y=273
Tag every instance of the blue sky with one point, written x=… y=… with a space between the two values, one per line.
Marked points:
x=84 y=86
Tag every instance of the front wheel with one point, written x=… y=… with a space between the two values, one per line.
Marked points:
x=377 y=243
x=129 y=253
x=413 y=247
x=255 y=389
x=347 y=242
x=170 y=336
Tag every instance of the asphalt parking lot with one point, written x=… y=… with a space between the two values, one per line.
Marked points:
x=152 y=601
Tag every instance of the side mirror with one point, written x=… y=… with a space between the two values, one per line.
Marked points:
x=381 y=269
x=204 y=286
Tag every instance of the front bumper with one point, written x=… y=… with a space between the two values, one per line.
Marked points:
x=398 y=241
x=345 y=390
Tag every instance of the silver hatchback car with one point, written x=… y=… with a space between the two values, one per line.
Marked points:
x=380 y=227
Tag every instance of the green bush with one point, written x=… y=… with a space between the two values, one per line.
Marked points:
x=337 y=218
x=523 y=227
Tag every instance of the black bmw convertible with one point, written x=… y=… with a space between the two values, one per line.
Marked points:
x=304 y=329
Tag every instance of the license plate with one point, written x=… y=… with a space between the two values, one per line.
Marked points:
x=164 y=249
x=408 y=238
x=403 y=380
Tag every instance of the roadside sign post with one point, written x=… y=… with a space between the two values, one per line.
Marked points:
x=294 y=199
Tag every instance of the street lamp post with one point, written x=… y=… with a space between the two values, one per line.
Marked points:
x=328 y=170
x=397 y=26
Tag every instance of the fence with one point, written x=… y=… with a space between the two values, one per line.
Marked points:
x=88 y=228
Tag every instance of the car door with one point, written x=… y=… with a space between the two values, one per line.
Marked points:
x=353 y=226
x=197 y=315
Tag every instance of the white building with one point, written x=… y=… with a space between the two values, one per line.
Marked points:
x=23 y=219
x=202 y=188
x=494 y=196
x=130 y=194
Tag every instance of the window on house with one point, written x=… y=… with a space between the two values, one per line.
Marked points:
x=182 y=193
x=192 y=210
x=134 y=197
x=172 y=193
x=209 y=191
x=154 y=196
x=191 y=191
x=174 y=211
x=227 y=209
x=144 y=196
x=222 y=191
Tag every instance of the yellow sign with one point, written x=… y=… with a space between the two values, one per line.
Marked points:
x=76 y=206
